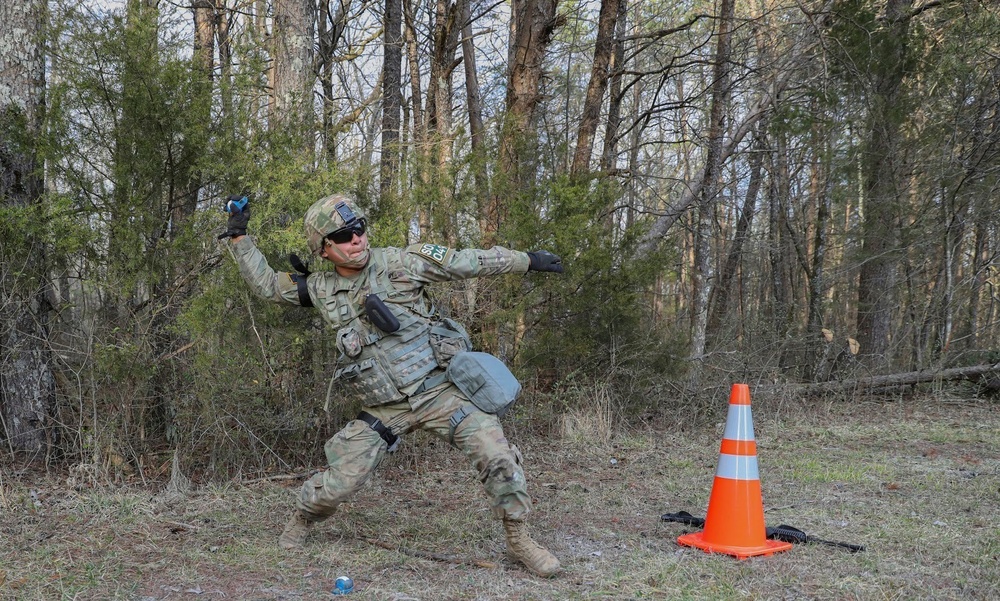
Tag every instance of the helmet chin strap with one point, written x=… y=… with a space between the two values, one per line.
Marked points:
x=341 y=259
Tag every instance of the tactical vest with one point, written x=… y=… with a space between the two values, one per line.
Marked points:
x=379 y=368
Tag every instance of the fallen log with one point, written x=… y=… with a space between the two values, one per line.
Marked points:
x=972 y=372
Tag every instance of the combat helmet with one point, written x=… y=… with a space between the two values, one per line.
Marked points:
x=328 y=215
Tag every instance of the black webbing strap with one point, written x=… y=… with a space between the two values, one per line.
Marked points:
x=457 y=418
x=430 y=382
x=391 y=440
x=300 y=279
x=300 y=287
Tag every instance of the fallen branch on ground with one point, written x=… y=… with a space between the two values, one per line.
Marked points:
x=277 y=477
x=972 y=372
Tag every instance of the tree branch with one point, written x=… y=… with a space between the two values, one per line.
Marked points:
x=974 y=372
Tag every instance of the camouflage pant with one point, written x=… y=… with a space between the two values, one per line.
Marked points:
x=355 y=452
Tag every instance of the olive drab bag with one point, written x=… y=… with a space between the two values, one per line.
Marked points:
x=485 y=380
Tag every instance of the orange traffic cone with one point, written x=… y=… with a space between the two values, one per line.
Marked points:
x=734 y=524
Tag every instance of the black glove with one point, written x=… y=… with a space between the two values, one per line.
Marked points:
x=238 y=207
x=543 y=260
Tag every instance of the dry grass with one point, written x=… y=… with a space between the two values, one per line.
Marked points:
x=916 y=481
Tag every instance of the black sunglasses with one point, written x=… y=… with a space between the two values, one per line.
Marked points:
x=346 y=234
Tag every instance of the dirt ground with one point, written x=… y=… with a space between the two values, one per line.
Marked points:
x=916 y=481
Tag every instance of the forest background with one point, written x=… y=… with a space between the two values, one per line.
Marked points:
x=789 y=193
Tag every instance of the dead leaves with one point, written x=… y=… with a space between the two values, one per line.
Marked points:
x=852 y=344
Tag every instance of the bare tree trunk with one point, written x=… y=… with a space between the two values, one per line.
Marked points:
x=703 y=271
x=27 y=385
x=603 y=52
x=532 y=25
x=476 y=128
x=883 y=186
x=437 y=147
x=634 y=146
x=979 y=262
x=204 y=35
x=203 y=59
x=615 y=68
x=413 y=62
x=951 y=264
x=420 y=119
x=293 y=75
x=443 y=64
x=225 y=60
x=392 y=98
x=778 y=249
x=441 y=101
x=330 y=29
x=475 y=108
x=819 y=188
x=724 y=290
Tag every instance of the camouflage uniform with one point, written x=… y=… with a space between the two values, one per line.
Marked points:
x=407 y=403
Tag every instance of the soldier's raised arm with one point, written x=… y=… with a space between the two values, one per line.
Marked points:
x=436 y=263
x=275 y=286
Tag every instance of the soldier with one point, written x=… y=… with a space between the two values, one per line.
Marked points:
x=394 y=351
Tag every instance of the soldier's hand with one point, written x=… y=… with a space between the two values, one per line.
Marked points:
x=543 y=260
x=238 y=208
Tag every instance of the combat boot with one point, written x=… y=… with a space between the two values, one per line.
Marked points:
x=521 y=548
x=295 y=532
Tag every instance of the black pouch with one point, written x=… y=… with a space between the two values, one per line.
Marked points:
x=380 y=315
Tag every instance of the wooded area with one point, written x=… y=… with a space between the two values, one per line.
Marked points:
x=797 y=191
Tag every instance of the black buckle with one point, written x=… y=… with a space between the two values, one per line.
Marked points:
x=391 y=440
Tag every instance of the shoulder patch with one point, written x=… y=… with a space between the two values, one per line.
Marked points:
x=434 y=252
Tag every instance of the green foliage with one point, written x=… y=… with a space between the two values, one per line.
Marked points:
x=167 y=347
x=22 y=219
x=130 y=126
x=177 y=352
x=597 y=313
x=872 y=49
x=258 y=370
x=853 y=22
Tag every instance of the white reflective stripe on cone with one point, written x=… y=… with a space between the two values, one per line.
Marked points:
x=739 y=423
x=737 y=467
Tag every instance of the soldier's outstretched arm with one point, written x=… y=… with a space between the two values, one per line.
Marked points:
x=436 y=263
x=275 y=286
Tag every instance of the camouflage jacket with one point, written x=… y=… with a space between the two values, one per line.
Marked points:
x=374 y=366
